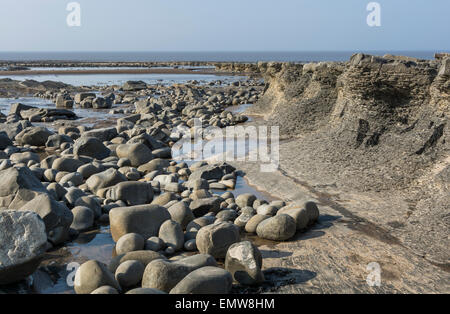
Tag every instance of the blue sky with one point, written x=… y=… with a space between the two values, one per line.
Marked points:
x=227 y=25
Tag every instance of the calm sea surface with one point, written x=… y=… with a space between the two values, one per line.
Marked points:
x=201 y=56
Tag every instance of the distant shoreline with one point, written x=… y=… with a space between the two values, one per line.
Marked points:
x=117 y=71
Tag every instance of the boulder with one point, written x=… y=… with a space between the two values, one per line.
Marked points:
x=56 y=216
x=245 y=200
x=83 y=218
x=164 y=275
x=93 y=275
x=215 y=239
x=181 y=213
x=129 y=242
x=212 y=172
x=34 y=136
x=244 y=262
x=91 y=147
x=172 y=234
x=104 y=179
x=205 y=280
x=22 y=244
x=18 y=186
x=132 y=193
x=203 y=206
x=129 y=273
x=253 y=223
x=278 y=228
x=138 y=154
x=143 y=219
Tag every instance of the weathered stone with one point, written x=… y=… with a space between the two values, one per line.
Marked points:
x=181 y=213
x=244 y=262
x=253 y=223
x=143 y=219
x=56 y=216
x=205 y=280
x=129 y=242
x=164 y=275
x=129 y=273
x=245 y=200
x=93 y=275
x=215 y=239
x=91 y=147
x=203 y=206
x=23 y=243
x=138 y=154
x=83 y=218
x=107 y=178
x=132 y=193
x=172 y=234
x=278 y=228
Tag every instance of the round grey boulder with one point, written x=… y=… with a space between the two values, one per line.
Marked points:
x=92 y=275
x=129 y=273
x=215 y=239
x=172 y=234
x=129 y=242
x=244 y=262
x=205 y=280
x=278 y=228
x=91 y=147
x=83 y=218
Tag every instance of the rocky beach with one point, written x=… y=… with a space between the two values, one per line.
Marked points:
x=95 y=199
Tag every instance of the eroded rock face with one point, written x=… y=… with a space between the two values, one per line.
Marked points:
x=23 y=242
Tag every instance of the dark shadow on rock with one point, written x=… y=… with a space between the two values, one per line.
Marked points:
x=275 y=278
x=274 y=254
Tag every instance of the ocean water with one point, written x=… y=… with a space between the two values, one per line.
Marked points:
x=238 y=56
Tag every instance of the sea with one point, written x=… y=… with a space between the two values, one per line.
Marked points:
x=229 y=56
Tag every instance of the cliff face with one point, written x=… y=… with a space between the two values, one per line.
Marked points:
x=390 y=114
x=373 y=128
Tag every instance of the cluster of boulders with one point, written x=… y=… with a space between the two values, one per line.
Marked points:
x=19 y=112
x=160 y=211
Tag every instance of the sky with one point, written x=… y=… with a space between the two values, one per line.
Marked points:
x=224 y=25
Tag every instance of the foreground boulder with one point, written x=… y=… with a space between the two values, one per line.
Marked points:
x=143 y=219
x=22 y=244
x=164 y=275
x=215 y=239
x=93 y=275
x=56 y=216
x=205 y=280
x=18 y=186
x=244 y=262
